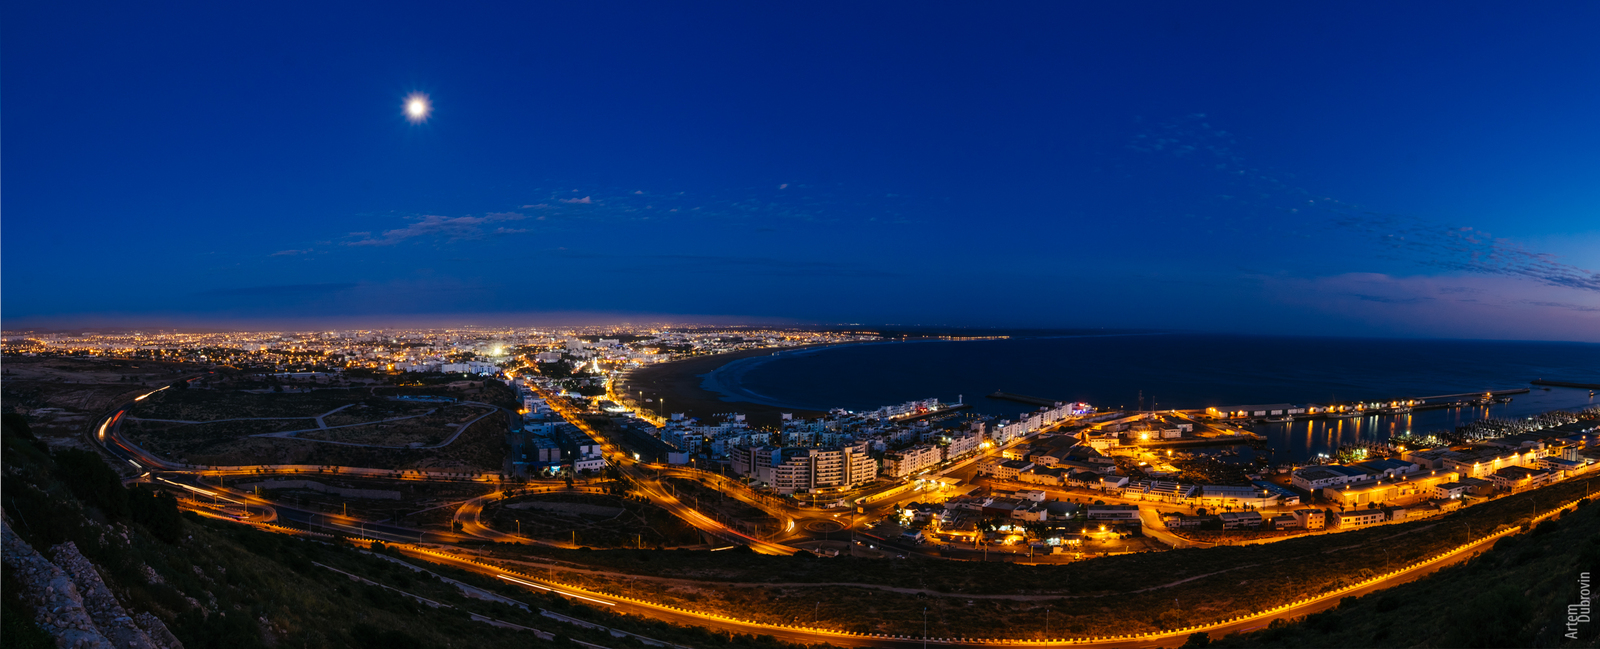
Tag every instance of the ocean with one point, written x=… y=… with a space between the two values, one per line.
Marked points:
x=1166 y=371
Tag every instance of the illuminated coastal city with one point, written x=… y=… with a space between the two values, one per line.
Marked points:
x=438 y=445
x=772 y=327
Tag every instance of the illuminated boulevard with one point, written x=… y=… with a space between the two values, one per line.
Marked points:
x=438 y=547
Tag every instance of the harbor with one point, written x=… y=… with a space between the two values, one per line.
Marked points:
x=1311 y=437
x=1352 y=393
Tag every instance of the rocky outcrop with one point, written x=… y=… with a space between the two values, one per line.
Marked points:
x=114 y=622
x=157 y=630
x=58 y=609
x=72 y=603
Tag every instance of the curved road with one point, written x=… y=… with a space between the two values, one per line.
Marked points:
x=652 y=489
x=813 y=636
x=104 y=435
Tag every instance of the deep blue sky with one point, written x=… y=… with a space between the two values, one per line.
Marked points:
x=1323 y=168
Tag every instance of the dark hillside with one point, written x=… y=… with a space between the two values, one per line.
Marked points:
x=1515 y=595
x=219 y=584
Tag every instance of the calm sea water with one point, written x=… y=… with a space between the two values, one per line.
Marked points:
x=1178 y=371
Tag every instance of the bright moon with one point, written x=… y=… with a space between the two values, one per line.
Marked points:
x=417 y=108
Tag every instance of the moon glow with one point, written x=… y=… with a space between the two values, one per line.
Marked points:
x=418 y=107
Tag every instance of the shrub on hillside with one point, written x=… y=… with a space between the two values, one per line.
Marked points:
x=92 y=481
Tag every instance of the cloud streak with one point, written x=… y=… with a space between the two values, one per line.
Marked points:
x=1389 y=300
x=279 y=290
x=1565 y=305
x=447 y=227
x=762 y=266
x=1402 y=237
x=1434 y=306
x=791 y=203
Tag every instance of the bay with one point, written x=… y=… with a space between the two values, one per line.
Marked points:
x=1178 y=370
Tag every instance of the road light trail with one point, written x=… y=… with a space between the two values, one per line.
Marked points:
x=555 y=590
x=106 y=435
x=652 y=488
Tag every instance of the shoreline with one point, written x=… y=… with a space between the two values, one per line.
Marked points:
x=680 y=382
x=726 y=379
x=683 y=382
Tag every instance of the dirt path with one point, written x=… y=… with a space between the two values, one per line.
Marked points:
x=295 y=433
x=323 y=424
x=463 y=428
x=218 y=421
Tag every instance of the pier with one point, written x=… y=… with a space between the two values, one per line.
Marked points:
x=1020 y=398
x=1492 y=393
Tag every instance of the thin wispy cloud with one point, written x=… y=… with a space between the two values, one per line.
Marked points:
x=279 y=290
x=1401 y=237
x=289 y=253
x=446 y=227
x=762 y=207
x=1565 y=305
x=1389 y=300
x=1499 y=306
x=763 y=266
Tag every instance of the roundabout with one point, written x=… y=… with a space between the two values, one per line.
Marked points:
x=823 y=527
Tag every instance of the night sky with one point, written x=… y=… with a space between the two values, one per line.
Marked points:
x=1430 y=169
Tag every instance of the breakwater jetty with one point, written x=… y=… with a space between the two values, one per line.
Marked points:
x=1022 y=398
x=1492 y=393
x=1567 y=384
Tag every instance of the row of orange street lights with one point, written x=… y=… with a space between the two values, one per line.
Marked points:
x=564 y=409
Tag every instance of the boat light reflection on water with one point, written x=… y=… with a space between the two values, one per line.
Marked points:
x=1302 y=440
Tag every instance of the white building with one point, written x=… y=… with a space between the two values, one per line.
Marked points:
x=963 y=444
x=797 y=469
x=469 y=367
x=592 y=464
x=900 y=464
x=1315 y=478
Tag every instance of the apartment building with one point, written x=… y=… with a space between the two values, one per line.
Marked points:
x=1311 y=519
x=801 y=469
x=902 y=463
x=1358 y=518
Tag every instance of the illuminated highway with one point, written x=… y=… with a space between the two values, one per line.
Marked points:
x=651 y=488
x=804 y=635
x=226 y=504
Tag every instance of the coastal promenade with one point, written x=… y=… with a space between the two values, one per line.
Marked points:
x=678 y=382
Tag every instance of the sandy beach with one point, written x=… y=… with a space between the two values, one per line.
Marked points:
x=679 y=383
